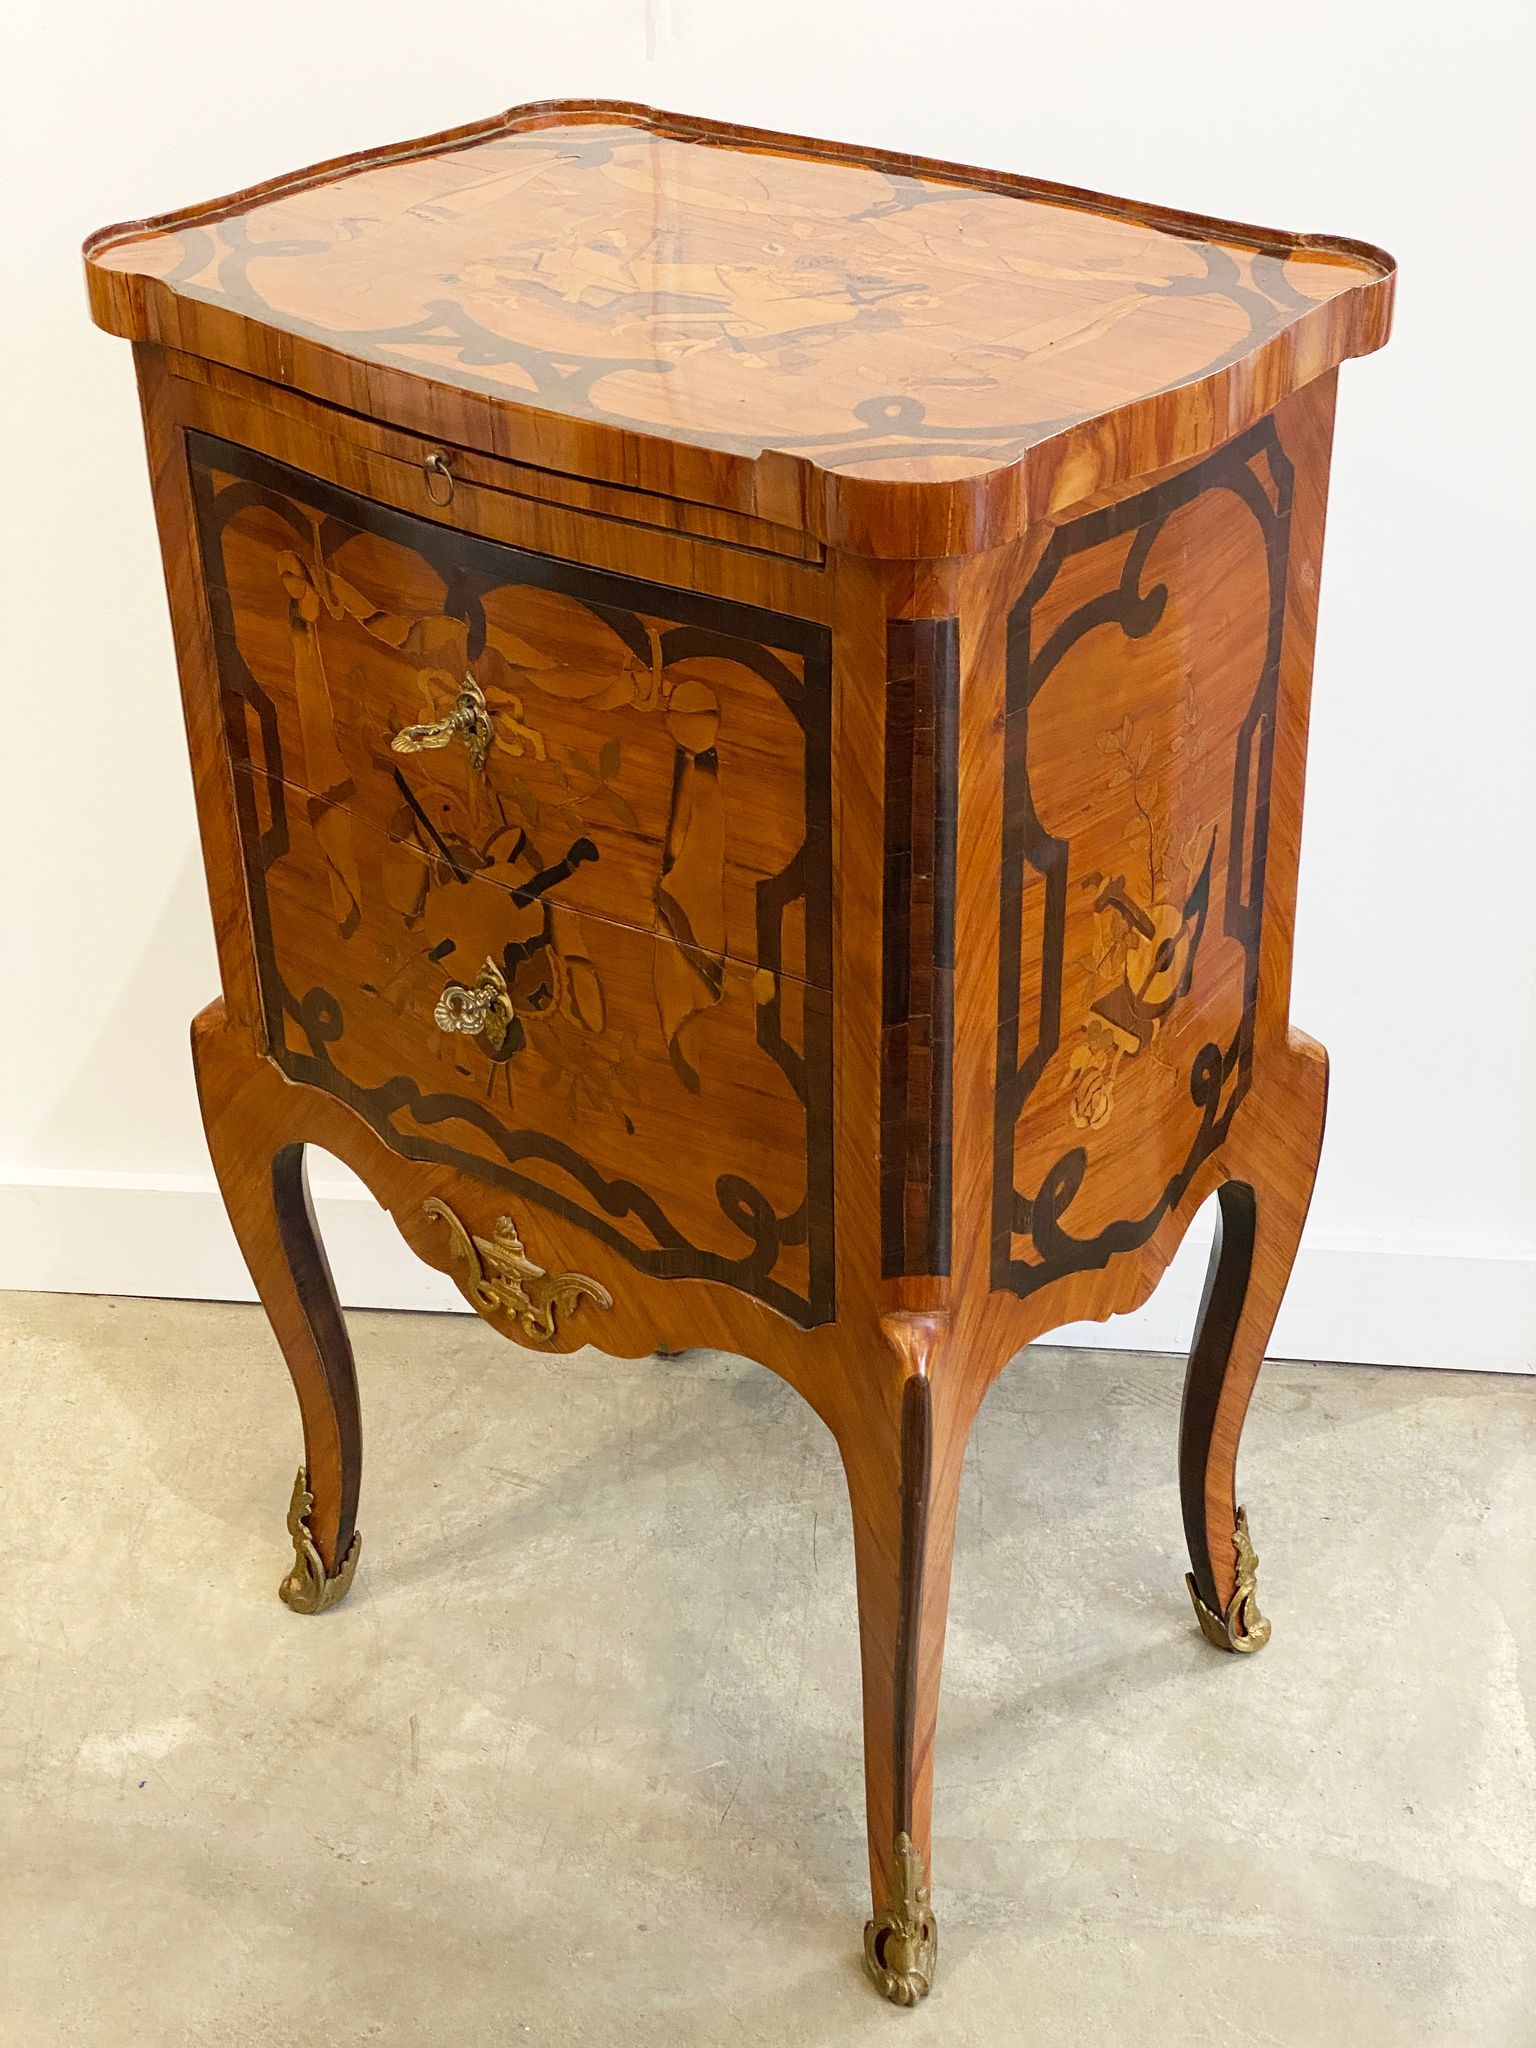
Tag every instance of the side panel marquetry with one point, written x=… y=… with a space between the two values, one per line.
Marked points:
x=595 y=970
x=1142 y=676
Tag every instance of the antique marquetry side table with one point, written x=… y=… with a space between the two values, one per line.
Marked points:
x=748 y=702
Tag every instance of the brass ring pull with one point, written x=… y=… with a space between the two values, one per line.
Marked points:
x=483 y=1010
x=469 y=720
x=439 y=477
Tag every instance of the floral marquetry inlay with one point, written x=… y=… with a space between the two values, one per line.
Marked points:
x=1147 y=926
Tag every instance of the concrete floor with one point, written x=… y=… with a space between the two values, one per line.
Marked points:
x=577 y=1762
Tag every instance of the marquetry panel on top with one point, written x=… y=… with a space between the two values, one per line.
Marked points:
x=645 y=858
x=1143 y=672
x=784 y=325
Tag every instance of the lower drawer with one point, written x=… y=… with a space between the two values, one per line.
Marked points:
x=677 y=1108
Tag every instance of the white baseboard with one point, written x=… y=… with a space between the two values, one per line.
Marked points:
x=168 y=1236
x=1364 y=1304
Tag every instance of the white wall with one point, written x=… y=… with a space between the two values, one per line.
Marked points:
x=1416 y=958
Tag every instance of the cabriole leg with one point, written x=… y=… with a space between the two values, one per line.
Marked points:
x=247 y=1114
x=903 y=1477
x=1262 y=1210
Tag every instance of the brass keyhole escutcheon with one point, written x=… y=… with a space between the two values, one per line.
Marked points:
x=469 y=721
x=483 y=1009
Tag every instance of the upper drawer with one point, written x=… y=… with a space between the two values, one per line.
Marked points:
x=640 y=753
x=445 y=477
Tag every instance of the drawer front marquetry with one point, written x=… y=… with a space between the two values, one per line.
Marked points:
x=1143 y=671
x=697 y=1151
x=648 y=755
x=595 y=973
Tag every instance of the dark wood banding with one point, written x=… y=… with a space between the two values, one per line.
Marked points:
x=916 y=1475
x=917 y=1006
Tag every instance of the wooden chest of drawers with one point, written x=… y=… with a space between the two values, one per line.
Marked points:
x=748 y=701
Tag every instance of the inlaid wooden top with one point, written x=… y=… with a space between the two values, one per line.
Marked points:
x=878 y=347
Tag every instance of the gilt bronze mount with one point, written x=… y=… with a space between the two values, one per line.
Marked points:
x=901 y=1945
x=308 y=1588
x=497 y=1278
x=1242 y=1627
